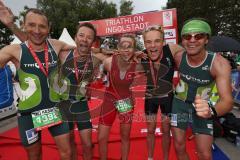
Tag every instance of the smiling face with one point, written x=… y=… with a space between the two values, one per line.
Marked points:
x=126 y=48
x=37 y=28
x=153 y=41
x=84 y=39
x=194 y=43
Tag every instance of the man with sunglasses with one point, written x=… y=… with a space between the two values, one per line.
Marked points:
x=199 y=71
x=159 y=68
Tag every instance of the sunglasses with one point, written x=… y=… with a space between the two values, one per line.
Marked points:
x=154 y=28
x=197 y=36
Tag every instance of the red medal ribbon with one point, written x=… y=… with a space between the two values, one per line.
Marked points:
x=154 y=76
x=33 y=53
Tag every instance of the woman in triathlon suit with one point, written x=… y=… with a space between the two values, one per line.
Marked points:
x=118 y=96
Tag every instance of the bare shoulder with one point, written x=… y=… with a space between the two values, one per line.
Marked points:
x=107 y=63
x=220 y=66
x=178 y=57
x=175 y=48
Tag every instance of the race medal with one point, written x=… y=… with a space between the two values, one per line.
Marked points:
x=123 y=105
x=46 y=118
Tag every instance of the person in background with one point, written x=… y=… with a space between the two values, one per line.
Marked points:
x=6 y=92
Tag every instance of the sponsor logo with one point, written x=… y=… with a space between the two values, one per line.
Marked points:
x=32 y=135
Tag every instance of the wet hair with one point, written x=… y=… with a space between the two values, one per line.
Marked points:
x=129 y=35
x=88 y=25
x=158 y=28
x=36 y=11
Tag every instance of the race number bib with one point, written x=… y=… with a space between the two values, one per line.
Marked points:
x=123 y=105
x=46 y=118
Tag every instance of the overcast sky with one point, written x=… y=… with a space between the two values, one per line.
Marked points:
x=139 y=5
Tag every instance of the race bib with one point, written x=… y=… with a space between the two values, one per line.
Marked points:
x=123 y=105
x=46 y=118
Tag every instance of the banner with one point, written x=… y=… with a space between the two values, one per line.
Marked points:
x=138 y=22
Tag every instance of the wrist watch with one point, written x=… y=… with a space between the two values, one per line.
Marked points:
x=212 y=110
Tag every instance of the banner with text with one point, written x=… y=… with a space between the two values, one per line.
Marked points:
x=138 y=22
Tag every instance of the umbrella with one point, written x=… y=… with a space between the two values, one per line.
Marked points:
x=223 y=44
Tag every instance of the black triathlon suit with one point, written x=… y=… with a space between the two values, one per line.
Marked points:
x=163 y=94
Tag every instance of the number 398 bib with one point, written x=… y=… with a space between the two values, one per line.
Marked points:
x=46 y=118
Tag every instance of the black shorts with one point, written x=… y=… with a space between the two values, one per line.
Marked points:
x=77 y=112
x=165 y=103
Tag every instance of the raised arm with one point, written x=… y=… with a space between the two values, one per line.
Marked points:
x=61 y=46
x=9 y=53
x=7 y=18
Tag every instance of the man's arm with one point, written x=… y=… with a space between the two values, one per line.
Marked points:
x=221 y=70
x=107 y=63
x=60 y=46
x=175 y=48
x=9 y=53
x=7 y=18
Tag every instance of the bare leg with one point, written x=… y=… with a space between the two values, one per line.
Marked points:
x=86 y=139
x=63 y=145
x=125 y=130
x=204 y=146
x=151 y=126
x=166 y=139
x=103 y=135
x=73 y=145
x=179 y=136
x=34 y=151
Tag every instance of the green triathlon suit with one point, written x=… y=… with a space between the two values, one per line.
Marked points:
x=36 y=94
x=74 y=105
x=193 y=80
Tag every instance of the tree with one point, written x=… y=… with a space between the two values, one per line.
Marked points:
x=67 y=13
x=5 y=36
x=223 y=16
x=126 y=7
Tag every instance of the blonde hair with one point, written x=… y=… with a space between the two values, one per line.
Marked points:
x=158 y=28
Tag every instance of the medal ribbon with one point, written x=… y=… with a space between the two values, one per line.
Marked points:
x=37 y=60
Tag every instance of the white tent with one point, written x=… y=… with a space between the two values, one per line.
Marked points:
x=65 y=37
x=15 y=40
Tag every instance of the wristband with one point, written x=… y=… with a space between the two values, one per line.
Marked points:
x=212 y=110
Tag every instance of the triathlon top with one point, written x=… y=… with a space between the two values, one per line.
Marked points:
x=195 y=79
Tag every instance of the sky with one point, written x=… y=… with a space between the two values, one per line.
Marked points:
x=139 y=5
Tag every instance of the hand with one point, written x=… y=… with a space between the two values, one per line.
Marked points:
x=138 y=55
x=201 y=107
x=6 y=15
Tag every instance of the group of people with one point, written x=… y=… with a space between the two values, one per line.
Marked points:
x=55 y=79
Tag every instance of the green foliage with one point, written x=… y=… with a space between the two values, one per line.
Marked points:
x=5 y=36
x=222 y=15
x=126 y=7
x=67 y=13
